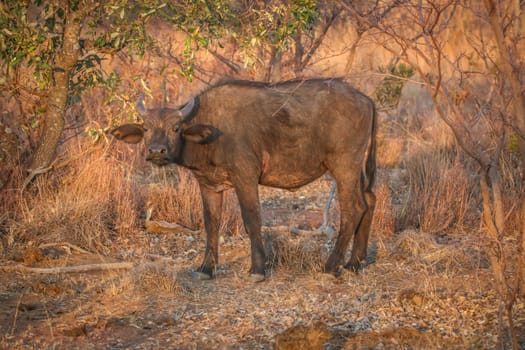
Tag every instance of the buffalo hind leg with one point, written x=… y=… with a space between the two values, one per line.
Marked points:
x=353 y=206
x=360 y=244
x=248 y=195
x=212 y=210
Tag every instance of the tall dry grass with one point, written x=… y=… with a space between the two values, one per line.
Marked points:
x=383 y=224
x=86 y=203
x=440 y=191
x=99 y=194
x=172 y=194
x=432 y=184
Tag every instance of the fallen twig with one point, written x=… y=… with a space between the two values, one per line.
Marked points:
x=161 y=226
x=65 y=244
x=67 y=269
x=33 y=174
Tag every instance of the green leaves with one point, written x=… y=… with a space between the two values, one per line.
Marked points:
x=31 y=39
x=188 y=62
x=277 y=24
x=26 y=40
x=88 y=73
x=253 y=25
x=387 y=94
x=204 y=21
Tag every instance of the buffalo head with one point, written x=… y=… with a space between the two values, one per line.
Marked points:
x=165 y=130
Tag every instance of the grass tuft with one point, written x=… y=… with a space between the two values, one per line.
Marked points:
x=303 y=253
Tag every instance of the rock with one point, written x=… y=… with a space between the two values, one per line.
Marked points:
x=302 y=337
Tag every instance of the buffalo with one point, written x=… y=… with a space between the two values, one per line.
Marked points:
x=241 y=134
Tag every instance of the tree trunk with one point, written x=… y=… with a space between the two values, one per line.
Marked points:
x=58 y=94
x=509 y=69
x=521 y=250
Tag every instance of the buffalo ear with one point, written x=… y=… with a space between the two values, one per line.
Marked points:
x=201 y=133
x=129 y=133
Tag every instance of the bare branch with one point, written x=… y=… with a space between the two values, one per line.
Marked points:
x=318 y=41
x=68 y=269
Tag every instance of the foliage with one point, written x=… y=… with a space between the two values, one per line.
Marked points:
x=32 y=39
x=278 y=23
x=252 y=26
x=28 y=41
x=513 y=145
x=387 y=95
x=275 y=25
x=124 y=26
x=31 y=36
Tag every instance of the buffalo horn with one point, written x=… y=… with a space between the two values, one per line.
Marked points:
x=140 y=105
x=185 y=111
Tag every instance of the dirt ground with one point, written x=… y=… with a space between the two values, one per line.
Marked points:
x=418 y=291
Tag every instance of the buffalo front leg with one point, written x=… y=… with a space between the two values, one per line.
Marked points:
x=248 y=195
x=212 y=210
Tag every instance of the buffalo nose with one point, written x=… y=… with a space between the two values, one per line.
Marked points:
x=157 y=149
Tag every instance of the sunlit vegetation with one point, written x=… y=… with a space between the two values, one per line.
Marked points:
x=446 y=267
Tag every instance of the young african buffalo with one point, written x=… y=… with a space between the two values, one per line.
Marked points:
x=242 y=134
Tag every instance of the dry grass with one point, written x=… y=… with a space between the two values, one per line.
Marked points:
x=85 y=205
x=302 y=253
x=440 y=191
x=419 y=293
x=173 y=195
x=514 y=188
x=432 y=185
x=425 y=287
x=423 y=249
x=157 y=277
x=394 y=339
x=390 y=150
x=383 y=224
x=100 y=198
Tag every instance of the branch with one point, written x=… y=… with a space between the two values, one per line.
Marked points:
x=68 y=269
x=160 y=226
x=33 y=173
x=229 y=63
x=65 y=244
x=318 y=41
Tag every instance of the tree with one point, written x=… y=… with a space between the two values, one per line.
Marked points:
x=260 y=34
x=477 y=91
x=51 y=50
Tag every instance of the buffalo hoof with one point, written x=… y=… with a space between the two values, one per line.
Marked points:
x=354 y=266
x=327 y=277
x=338 y=275
x=201 y=276
x=256 y=277
x=333 y=270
